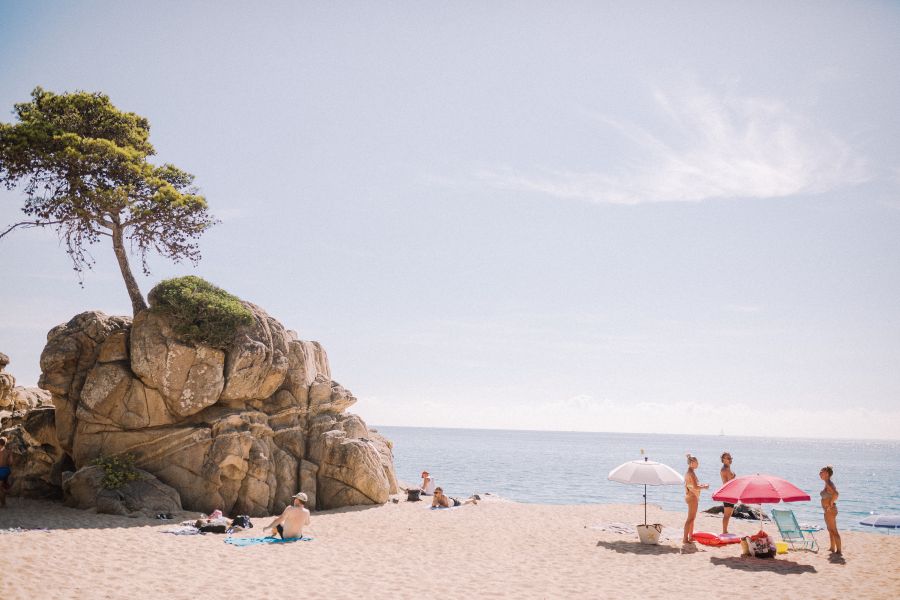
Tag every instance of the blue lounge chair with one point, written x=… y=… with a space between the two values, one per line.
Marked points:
x=792 y=533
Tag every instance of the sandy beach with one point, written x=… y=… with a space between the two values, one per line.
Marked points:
x=496 y=549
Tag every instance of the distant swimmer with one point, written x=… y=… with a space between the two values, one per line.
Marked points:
x=727 y=475
x=291 y=522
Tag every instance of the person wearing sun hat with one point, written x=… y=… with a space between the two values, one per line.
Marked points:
x=291 y=522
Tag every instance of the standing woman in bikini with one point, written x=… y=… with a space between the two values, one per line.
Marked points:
x=692 y=487
x=829 y=504
x=727 y=475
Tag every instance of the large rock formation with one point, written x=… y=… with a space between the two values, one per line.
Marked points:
x=240 y=429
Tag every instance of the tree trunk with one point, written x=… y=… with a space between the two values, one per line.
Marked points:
x=134 y=292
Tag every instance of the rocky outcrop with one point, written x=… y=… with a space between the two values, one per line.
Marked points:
x=17 y=398
x=145 y=495
x=240 y=429
x=37 y=461
x=27 y=422
x=741 y=511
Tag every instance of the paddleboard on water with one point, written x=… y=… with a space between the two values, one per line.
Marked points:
x=711 y=539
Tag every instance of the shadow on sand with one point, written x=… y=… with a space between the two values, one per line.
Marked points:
x=623 y=547
x=776 y=565
x=32 y=514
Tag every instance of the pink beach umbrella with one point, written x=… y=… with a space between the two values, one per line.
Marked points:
x=759 y=489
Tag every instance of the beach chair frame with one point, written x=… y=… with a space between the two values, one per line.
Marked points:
x=796 y=537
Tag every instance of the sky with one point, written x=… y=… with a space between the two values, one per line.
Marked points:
x=636 y=217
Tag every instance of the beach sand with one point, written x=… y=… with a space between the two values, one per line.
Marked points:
x=497 y=549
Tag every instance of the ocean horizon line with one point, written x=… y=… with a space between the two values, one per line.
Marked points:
x=627 y=433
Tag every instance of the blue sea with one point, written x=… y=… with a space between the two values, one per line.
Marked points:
x=571 y=467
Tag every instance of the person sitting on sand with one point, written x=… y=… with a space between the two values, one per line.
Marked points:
x=291 y=522
x=692 y=487
x=727 y=475
x=441 y=500
x=4 y=471
x=427 y=487
x=829 y=496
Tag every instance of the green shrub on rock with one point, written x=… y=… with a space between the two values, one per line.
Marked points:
x=200 y=312
x=117 y=470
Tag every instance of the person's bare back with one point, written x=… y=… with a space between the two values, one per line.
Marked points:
x=292 y=520
x=295 y=519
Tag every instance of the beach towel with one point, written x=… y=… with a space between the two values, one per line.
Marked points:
x=667 y=533
x=182 y=530
x=256 y=541
x=712 y=539
x=23 y=530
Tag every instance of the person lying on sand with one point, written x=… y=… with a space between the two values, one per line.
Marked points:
x=290 y=523
x=441 y=500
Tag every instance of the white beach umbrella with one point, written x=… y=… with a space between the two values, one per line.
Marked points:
x=890 y=521
x=645 y=472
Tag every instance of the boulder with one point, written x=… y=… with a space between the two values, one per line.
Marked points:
x=71 y=352
x=189 y=378
x=741 y=511
x=350 y=473
x=145 y=495
x=257 y=360
x=240 y=429
x=386 y=451
x=7 y=382
x=328 y=396
x=15 y=398
x=306 y=361
x=37 y=461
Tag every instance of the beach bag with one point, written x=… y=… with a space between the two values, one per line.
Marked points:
x=413 y=495
x=761 y=548
x=242 y=521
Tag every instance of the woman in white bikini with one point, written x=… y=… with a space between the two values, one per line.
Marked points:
x=829 y=497
x=692 y=487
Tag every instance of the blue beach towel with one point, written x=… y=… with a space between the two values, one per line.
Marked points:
x=256 y=541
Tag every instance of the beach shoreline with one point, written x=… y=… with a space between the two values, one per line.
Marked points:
x=405 y=550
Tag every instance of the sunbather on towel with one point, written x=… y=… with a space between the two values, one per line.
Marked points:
x=291 y=522
x=441 y=500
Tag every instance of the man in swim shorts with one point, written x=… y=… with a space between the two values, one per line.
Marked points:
x=290 y=523
x=4 y=471
x=441 y=500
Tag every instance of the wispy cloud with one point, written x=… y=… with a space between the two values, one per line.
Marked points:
x=704 y=146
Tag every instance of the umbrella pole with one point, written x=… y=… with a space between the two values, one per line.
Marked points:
x=645 y=504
